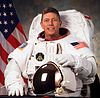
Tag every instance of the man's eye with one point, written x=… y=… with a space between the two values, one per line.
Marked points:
x=55 y=20
x=46 y=20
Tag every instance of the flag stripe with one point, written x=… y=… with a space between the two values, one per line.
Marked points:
x=13 y=41
x=1 y=77
x=2 y=68
x=5 y=44
x=3 y=54
x=19 y=36
x=19 y=27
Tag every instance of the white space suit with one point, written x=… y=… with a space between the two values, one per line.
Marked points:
x=35 y=52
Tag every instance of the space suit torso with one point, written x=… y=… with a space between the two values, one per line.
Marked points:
x=44 y=51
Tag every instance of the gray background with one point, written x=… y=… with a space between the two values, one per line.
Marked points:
x=28 y=9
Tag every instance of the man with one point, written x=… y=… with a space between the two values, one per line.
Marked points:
x=54 y=44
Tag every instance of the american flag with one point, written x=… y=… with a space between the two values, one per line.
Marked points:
x=11 y=33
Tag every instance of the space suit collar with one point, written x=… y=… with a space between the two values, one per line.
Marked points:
x=62 y=31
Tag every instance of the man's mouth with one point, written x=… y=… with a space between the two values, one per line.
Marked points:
x=50 y=28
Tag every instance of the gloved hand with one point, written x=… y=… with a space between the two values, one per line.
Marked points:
x=16 y=89
x=66 y=60
x=83 y=67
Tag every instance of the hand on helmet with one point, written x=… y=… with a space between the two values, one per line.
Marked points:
x=66 y=60
x=16 y=89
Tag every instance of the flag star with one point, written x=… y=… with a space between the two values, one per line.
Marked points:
x=5 y=22
x=0 y=22
x=12 y=22
x=8 y=18
x=10 y=5
x=4 y=14
x=11 y=13
x=5 y=30
x=4 y=6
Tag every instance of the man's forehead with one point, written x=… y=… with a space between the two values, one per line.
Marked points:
x=50 y=14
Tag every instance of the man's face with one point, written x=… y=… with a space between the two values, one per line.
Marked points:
x=51 y=23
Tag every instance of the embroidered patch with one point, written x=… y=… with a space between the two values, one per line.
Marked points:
x=79 y=45
x=39 y=56
x=23 y=45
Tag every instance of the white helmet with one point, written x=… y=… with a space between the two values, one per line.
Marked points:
x=50 y=77
x=47 y=78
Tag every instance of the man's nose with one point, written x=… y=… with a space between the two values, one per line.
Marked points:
x=51 y=22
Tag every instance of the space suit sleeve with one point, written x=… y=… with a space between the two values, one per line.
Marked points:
x=13 y=80
x=12 y=73
x=86 y=69
x=15 y=68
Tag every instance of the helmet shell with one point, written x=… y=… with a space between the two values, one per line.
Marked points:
x=44 y=78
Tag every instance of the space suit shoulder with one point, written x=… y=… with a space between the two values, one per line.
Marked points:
x=25 y=45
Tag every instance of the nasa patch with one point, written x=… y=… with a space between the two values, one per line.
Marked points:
x=40 y=56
